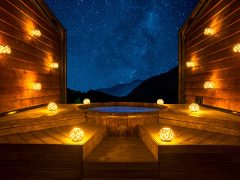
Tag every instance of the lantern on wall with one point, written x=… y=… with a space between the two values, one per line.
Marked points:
x=52 y=106
x=209 y=31
x=36 y=86
x=86 y=101
x=36 y=33
x=194 y=107
x=190 y=64
x=54 y=65
x=208 y=85
x=236 y=48
x=166 y=134
x=5 y=49
x=160 y=101
x=76 y=134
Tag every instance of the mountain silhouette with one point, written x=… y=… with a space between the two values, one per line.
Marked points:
x=164 y=86
x=121 y=90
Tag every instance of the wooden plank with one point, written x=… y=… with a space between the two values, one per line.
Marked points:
x=200 y=138
x=215 y=139
x=3 y=139
x=230 y=140
x=30 y=138
x=15 y=139
x=53 y=133
x=46 y=138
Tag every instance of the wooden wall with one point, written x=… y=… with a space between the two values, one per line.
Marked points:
x=213 y=55
x=30 y=56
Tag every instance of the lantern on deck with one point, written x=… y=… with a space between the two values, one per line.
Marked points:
x=160 y=101
x=236 y=48
x=194 y=107
x=86 y=101
x=52 y=106
x=77 y=134
x=166 y=134
x=5 y=49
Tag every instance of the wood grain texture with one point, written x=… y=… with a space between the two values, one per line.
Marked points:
x=30 y=57
x=213 y=55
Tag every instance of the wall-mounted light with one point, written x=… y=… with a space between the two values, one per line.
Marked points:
x=160 y=101
x=194 y=107
x=166 y=134
x=54 y=65
x=208 y=85
x=36 y=33
x=190 y=64
x=76 y=134
x=236 y=48
x=209 y=31
x=5 y=49
x=52 y=106
x=36 y=86
x=86 y=101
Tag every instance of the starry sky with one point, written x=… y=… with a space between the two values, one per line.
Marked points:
x=118 y=41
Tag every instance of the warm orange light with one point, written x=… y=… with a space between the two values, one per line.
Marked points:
x=86 y=101
x=166 y=134
x=194 y=107
x=160 y=101
x=5 y=49
x=52 y=106
x=236 y=48
x=36 y=86
x=77 y=134
x=36 y=33
x=208 y=85
x=209 y=31
x=190 y=64
x=54 y=65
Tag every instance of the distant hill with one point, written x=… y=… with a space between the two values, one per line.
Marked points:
x=121 y=90
x=164 y=86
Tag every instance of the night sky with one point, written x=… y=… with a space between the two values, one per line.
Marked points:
x=118 y=41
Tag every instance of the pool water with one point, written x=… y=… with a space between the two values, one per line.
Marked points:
x=123 y=109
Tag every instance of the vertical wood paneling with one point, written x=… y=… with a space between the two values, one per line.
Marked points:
x=30 y=57
x=213 y=55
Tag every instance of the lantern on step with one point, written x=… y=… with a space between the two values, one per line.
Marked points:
x=76 y=134
x=236 y=48
x=54 y=65
x=86 y=101
x=209 y=31
x=166 y=134
x=194 y=107
x=52 y=106
x=160 y=101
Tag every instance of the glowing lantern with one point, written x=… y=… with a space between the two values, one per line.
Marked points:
x=54 y=65
x=236 y=48
x=36 y=33
x=5 y=49
x=52 y=106
x=166 y=134
x=209 y=31
x=194 y=107
x=208 y=85
x=86 y=101
x=160 y=101
x=77 y=134
x=36 y=86
x=190 y=64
